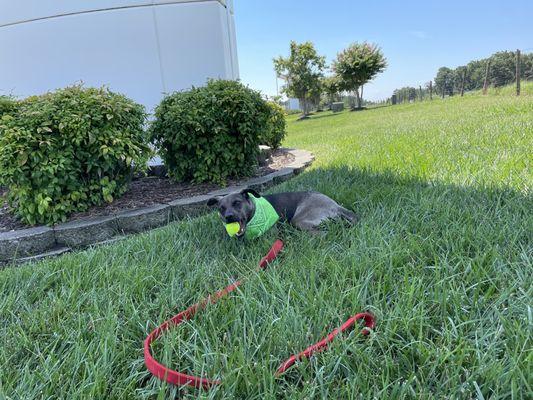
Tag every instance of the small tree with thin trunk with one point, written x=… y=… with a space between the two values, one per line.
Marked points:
x=444 y=81
x=302 y=72
x=332 y=88
x=357 y=65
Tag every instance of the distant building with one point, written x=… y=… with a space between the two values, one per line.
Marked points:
x=292 y=104
x=141 y=48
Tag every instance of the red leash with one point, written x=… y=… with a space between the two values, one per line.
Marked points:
x=369 y=324
x=177 y=378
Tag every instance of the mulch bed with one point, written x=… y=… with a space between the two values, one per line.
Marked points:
x=148 y=191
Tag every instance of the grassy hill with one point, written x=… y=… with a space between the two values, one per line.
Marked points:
x=474 y=140
x=442 y=256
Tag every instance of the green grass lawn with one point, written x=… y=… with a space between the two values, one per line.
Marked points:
x=442 y=256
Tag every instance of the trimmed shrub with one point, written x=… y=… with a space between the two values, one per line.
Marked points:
x=70 y=149
x=211 y=133
x=7 y=105
x=275 y=131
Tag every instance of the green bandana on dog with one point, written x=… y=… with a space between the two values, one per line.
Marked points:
x=264 y=218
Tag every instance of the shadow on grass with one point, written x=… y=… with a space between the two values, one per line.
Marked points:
x=445 y=268
x=324 y=114
x=492 y=214
x=423 y=254
x=329 y=113
x=378 y=107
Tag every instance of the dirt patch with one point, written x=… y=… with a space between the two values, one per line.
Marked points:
x=8 y=221
x=148 y=191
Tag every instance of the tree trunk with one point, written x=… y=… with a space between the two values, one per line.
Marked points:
x=361 y=98
x=305 y=108
x=357 y=98
x=352 y=102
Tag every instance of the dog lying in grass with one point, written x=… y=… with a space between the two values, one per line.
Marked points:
x=303 y=210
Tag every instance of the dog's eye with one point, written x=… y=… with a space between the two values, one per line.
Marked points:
x=236 y=204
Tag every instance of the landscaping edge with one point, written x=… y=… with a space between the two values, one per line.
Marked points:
x=33 y=244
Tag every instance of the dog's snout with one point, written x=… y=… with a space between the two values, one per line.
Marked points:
x=230 y=217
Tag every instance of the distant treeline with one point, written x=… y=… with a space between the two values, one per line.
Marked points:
x=502 y=71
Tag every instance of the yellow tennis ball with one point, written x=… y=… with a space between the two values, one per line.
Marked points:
x=233 y=228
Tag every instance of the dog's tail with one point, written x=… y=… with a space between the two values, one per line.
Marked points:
x=348 y=215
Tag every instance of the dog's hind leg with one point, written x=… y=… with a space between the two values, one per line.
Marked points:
x=309 y=220
x=348 y=215
x=308 y=226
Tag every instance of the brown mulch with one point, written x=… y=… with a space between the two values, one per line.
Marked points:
x=148 y=191
x=8 y=222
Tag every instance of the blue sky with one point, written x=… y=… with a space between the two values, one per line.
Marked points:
x=417 y=37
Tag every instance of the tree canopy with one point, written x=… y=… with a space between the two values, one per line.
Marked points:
x=445 y=81
x=302 y=70
x=358 y=64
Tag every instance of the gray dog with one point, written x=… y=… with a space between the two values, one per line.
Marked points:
x=304 y=210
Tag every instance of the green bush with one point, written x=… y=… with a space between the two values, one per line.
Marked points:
x=210 y=133
x=70 y=149
x=7 y=105
x=275 y=131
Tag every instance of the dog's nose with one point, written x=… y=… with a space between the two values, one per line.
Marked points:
x=229 y=217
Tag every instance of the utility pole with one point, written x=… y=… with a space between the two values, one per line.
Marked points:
x=486 y=82
x=518 y=72
x=463 y=83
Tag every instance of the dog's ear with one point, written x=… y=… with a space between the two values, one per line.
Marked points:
x=246 y=192
x=213 y=201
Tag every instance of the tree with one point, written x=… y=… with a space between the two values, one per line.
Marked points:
x=275 y=99
x=405 y=94
x=502 y=72
x=301 y=71
x=315 y=94
x=475 y=74
x=502 y=68
x=357 y=65
x=444 y=81
x=458 y=75
x=332 y=88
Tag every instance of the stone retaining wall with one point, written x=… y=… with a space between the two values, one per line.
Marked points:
x=36 y=243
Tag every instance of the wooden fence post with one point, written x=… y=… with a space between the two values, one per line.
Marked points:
x=486 y=82
x=518 y=72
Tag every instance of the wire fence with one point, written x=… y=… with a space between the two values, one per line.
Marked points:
x=523 y=72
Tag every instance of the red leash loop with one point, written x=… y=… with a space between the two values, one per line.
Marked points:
x=180 y=379
x=319 y=346
x=177 y=378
